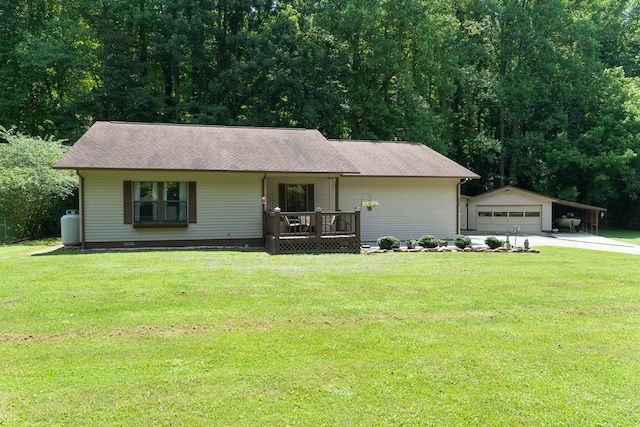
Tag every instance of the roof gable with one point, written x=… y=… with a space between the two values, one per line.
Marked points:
x=516 y=190
x=511 y=188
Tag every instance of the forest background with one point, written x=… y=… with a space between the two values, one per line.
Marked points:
x=542 y=94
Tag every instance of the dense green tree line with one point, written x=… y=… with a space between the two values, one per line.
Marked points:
x=542 y=94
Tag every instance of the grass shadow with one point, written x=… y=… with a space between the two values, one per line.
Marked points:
x=75 y=250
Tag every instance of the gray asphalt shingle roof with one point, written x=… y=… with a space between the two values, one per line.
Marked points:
x=113 y=145
x=146 y=146
x=382 y=158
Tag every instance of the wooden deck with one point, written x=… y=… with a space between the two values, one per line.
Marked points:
x=313 y=232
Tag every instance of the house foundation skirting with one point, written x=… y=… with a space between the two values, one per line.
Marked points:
x=303 y=244
x=229 y=243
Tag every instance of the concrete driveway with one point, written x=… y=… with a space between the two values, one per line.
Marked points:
x=580 y=240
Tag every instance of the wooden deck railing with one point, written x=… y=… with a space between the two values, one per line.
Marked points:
x=313 y=232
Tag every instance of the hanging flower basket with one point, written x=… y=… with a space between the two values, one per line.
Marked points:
x=370 y=204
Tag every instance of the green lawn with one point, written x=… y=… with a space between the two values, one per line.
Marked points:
x=223 y=338
x=629 y=236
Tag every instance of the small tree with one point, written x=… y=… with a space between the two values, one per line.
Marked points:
x=31 y=191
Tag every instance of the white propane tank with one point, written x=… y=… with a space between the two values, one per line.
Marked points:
x=70 y=227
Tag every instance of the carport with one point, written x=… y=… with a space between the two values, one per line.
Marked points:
x=590 y=215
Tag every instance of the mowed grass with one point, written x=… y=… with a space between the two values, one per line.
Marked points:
x=202 y=338
x=629 y=236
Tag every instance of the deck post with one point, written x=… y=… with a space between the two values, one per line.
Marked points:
x=318 y=230
x=275 y=225
x=357 y=230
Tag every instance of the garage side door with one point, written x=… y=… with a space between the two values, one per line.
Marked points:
x=503 y=219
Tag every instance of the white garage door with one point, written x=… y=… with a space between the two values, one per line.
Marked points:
x=504 y=219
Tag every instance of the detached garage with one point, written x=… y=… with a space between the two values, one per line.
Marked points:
x=502 y=210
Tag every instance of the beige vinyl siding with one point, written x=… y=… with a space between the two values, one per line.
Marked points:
x=464 y=202
x=228 y=206
x=409 y=207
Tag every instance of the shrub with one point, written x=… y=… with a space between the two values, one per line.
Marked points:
x=428 y=241
x=493 y=242
x=388 y=242
x=462 y=241
x=32 y=193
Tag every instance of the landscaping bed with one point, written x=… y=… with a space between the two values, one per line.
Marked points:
x=448 y=249
x=461 y=243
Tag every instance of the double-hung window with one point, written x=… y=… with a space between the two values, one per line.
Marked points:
x=145 y=202
x=150 y=203
x=174 y=199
